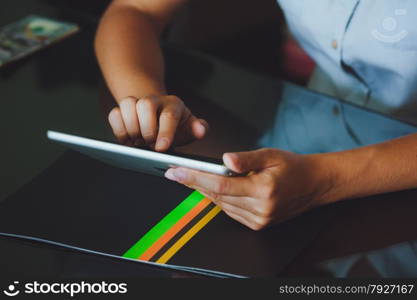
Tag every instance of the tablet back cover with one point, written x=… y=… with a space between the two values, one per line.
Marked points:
x=84 y=203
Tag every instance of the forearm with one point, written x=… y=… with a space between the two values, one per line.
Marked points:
x=381 y=168
x=128 y=51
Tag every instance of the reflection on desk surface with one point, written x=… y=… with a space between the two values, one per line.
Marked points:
x=52 y=261
x=399 y=261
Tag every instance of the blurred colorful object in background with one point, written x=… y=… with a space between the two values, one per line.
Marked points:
x=31 y=34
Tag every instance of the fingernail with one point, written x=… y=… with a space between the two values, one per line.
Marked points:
x=180 y=175
x=228 y=158
x=232 y=156
x=162 y=143
x=202 y=128
x=169 y=174
x=175 y=174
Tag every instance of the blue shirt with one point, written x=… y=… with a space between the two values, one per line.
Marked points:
x=365 y=50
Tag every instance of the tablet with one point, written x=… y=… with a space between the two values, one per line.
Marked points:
x=145 y=161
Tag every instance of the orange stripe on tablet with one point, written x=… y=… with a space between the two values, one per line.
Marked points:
x=174 y=230
x=188 y=235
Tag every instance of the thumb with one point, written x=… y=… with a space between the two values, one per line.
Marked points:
x=243 y=162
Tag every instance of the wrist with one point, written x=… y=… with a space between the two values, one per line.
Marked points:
x=327 y=179
x=344 y=175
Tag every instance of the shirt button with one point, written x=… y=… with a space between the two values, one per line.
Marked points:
x=334 y=44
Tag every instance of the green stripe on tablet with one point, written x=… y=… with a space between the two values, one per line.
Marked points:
x=164 y=225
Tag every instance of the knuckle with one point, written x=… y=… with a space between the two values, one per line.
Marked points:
x=221 y=186
x=264 y=150
x=258 y=225
x=190 y=179
x=176 y=100
x=269 y=192
x=260 y=222
x=128 y=100
x=265 y=210
x=172 y=114
x=146 y=102
x=132 y=100
x=263 y=223
x=269 y=150
x=215 y=198
x=147 y=99
x=269 y=188
x=255 y=227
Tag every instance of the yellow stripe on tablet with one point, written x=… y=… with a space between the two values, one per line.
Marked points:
x=188 y=235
